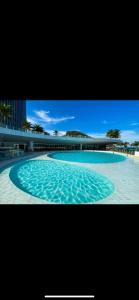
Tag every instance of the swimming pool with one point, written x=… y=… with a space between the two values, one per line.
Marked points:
x=88 y=157
x=59 y=182
x=123 y=175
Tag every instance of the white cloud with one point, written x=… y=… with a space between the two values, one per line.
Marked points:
x=60 y=133
x=134 y=124
x=31 y=120
x=129 y=135
x=126 y=135
x=97 y=135
x=44 y=117
x=104 y=122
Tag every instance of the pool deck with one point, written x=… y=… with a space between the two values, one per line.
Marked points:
x=9 y=193
x=126 y=191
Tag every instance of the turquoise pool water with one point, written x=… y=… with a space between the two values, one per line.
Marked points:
x=60 y=182
x=88 y=157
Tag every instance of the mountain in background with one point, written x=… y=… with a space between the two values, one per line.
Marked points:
x=76 y=133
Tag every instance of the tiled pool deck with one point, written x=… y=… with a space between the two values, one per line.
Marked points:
x=124 y=175
x=9 y=193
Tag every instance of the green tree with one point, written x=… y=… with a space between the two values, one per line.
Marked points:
x=37 y=128
x=5 y=112
x=27 y=125
x=46 y=133
x=136 y=143
x=123 y=143
x=113 y=133
x=126 y=143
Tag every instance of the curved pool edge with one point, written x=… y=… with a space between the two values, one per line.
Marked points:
x=82 y=164
x=14 y=195
x=103 y=186
x=86 y=163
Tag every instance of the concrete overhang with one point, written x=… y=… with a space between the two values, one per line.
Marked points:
x=17 y=136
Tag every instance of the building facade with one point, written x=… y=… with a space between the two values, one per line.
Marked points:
x=18 y=113
x=41 y=142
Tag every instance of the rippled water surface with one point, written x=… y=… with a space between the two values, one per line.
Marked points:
x=60 y=182
x=88 y=157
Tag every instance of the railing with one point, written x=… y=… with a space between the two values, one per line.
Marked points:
x=124 y=150
x=30 y=132
x=42 y=133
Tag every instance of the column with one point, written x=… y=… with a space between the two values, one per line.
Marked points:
x=31 y=146
x=81 y=146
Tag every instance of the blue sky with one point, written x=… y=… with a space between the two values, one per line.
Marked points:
x=92 y=117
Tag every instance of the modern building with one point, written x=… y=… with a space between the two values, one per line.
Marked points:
x=12 y=135
x=18 y=113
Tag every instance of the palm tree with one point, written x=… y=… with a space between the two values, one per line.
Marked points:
x=37 y=128
x=55 y=132
x=136 y=143
x=27 y=125
x=123 y=143
x=113 y=133
x=5 y=112
x=46 y=133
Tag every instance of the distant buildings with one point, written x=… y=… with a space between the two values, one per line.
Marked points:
x=18 y=113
